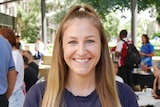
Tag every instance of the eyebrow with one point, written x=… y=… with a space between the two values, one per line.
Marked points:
x=73 y=37
x=90 y=36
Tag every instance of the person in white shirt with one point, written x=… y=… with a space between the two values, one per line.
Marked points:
x=39 y=48
x=118 y=78
x=121 y=52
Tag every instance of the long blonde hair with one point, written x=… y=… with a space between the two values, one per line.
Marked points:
x=57 y=77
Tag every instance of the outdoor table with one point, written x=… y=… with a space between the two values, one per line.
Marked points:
x=147 y=100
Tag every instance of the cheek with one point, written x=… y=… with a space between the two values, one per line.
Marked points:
x=95 y=50
x=67 y=52
x=143 y=39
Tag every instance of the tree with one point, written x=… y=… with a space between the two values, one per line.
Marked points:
x=30 y=18
x=103 y=7
x=110 y=21
x=59 y=7
x=111 y=25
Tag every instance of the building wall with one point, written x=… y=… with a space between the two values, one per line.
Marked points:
x=8 y=14
x=7 y=21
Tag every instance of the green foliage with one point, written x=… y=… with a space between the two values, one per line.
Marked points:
x=59 y=16
x=30 y=21
x=111 y=25
x=157 y=52
x=31 y=17
x=103 y=7
x=158 y=19
x=60 y=8
x=156 y=34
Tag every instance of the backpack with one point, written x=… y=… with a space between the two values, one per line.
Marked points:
x=133 y=58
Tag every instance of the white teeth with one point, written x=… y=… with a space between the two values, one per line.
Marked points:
x=79 y=60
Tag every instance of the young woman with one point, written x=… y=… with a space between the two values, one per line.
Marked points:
x=82 y=72
x=146 y=52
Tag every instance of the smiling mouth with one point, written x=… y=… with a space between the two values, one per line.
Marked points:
x=81 y=60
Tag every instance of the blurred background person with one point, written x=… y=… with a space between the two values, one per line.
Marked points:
x=31 y=63
x=30 y=75
x=113 y=51
x=20 y=44
x=17 y=97
x=121 y=52
x=39 y=48
x=118 y=78
x=147 y=52
x=7 y=72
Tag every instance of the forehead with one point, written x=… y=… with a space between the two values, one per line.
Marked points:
x=84 y=20
x=143 y=37
x=81 y=27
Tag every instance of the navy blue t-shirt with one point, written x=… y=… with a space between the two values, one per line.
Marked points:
x=35 y=95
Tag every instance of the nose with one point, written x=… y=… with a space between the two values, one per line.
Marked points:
x=82 y=49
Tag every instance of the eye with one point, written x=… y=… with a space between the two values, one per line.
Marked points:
x=72 y=42
x=90 y=41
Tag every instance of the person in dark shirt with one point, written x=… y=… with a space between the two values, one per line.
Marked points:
x=30 y=75
x=126 y=96
x=82 y=73
x=32 y=64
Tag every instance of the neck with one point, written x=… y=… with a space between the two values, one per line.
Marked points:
x=14 y=48
x=81 y=85
x=25 y=66
x=29 y=61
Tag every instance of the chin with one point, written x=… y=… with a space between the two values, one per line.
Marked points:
x=82 y=73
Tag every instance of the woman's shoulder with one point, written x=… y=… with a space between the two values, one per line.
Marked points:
x=126 y=95
x=38 y=88
x=35 y=94
x=149 y=44
x=123 y=86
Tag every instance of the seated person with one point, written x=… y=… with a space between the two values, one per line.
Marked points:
x=32 y=64
x=30 y=76
x=118 y=78
x=156 y=83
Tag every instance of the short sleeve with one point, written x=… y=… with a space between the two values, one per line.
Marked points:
x=34 y=95
x=126 y=95
x=11 y=61
x=119 y=46
x=151 y=48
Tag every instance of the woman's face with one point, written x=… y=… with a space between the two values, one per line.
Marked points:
x=81 y=46
x=143 y=39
